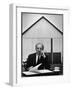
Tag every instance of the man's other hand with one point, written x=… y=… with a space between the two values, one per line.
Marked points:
x=34 y=68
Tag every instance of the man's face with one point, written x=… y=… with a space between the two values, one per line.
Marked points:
x=39 y=49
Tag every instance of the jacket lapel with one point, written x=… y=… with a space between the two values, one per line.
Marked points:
x=34 y=59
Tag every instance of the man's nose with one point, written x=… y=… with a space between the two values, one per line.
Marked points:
x=39 y=49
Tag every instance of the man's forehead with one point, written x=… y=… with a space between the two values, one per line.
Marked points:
x=39 y=45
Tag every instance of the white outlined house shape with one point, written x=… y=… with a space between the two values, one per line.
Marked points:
x=43 y=28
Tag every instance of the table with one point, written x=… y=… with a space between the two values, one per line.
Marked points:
x=44 y=72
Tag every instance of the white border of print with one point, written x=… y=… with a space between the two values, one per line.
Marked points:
x=15 y=47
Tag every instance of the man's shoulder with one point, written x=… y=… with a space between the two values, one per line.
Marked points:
x=46 y=54
x=33 y=54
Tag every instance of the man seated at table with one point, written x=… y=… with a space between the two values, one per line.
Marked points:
x=38 y=60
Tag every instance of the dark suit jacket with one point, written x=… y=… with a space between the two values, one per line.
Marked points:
x=31 y=61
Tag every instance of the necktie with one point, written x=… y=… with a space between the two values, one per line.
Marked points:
x=38 y=59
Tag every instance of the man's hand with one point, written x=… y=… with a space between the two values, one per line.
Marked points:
x=43 y=54
x=30 y=68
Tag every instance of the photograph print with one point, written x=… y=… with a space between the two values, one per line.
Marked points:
x=41 y=44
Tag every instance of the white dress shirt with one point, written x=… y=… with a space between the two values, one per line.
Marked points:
x=37 y=58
